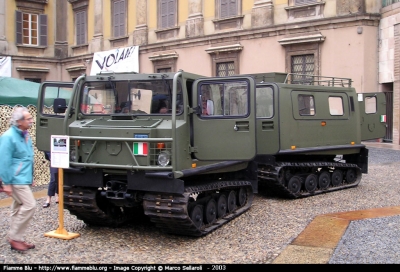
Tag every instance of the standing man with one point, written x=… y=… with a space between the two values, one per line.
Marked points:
x=16 y=171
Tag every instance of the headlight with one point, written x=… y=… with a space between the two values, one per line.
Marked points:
x=164 y=158
x=72 y=155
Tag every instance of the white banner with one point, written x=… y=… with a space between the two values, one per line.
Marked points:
x=116 y=60
x=5 y=66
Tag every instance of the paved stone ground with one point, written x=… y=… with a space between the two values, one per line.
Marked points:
x=257 y=237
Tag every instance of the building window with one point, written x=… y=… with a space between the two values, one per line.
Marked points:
x=302 y=65
x=164 y=70
x=164 y=62
x=36 y=80
x=167 y=13
x=119 y=18
x=225 y=59
x=304 y=2
x=81 y=27
x=225 y=68
x=31 y=29
x=228 y=8
x=307 y=9
x=228 y=15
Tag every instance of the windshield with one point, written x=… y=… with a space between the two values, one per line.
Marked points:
x=129 y=97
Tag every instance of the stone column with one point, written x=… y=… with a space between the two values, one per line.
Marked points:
x=61 y=39
x=141 y=30
x=262 y=14
x=97 y=42
x=3 y=40
x=195 y=21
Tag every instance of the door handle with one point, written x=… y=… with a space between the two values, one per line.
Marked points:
x=241 y=126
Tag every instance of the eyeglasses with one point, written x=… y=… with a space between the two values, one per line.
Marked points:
x=28 y=119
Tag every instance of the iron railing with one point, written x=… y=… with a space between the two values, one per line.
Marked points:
x=306 y=79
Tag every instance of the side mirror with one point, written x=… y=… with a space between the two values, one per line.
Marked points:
x=59 y=105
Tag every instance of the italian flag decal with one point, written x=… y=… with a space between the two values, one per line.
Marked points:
x=140 y=149
x=383 y=118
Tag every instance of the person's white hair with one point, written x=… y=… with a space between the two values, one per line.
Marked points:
x=18 y=114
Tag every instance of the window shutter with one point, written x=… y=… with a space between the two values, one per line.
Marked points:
x=119 y=18
x=167 y=13
x=171 y=13
x=84 y=27
x=81 y=27
x=43 y=29
x=18 y=26
x=304 y=2
x=229 y=8
x=115 y=18
x=233 y=8
x=164 y=13
x=122 y=18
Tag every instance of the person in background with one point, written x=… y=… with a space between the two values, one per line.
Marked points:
x=16 y=172
x=53 y=184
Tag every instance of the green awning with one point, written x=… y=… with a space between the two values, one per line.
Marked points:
x=15 y=91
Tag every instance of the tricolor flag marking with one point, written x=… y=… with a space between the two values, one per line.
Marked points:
x=140 y=149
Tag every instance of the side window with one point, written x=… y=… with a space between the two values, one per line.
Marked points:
x=306 y=104
x=335 y=105
x=370 y=104
x=224 y=99
x=50 y=93
x=119 y=18
x=264 y=102
x=167 y=13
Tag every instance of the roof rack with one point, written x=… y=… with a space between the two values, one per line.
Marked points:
x=304 y=79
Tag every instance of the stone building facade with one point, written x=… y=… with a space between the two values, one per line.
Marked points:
x=341 y=38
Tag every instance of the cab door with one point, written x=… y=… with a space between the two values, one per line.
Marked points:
x=223 y=119
x=372 y=115
x=47 y=121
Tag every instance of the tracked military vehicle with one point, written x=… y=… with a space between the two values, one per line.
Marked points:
x=190 y=151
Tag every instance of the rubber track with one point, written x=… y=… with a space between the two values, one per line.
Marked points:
x=170 y=212
x=270 y=175
x=82 y=203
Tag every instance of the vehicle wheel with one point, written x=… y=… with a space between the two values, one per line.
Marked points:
x=351 y=176
x=337 y=177
x=210 y=212
x=281 y=176
x=117 y=215
x=294 y=185
x=311 y=182
x=231 y=201
x=288 y=175
x=221 y=206
x=324 y=180
x=197 y=215
x=242 y=197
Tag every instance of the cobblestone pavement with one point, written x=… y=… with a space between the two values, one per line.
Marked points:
x=258 y=236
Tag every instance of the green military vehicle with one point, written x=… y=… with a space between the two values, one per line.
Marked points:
x=190 y=151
